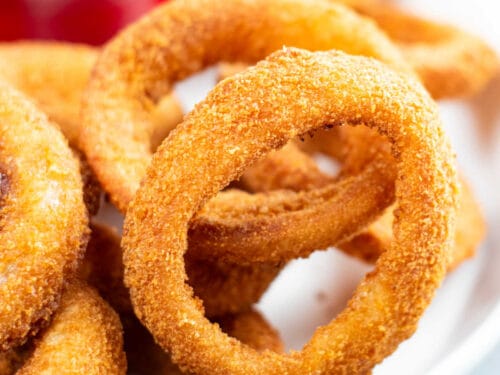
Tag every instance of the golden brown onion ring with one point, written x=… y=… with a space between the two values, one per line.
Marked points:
x=181 y=38
x=354 y=147
x=241 y=120
x=103 y=268
x=84 y=337
x=146 y=357
x=55 y=74
x=223 y=287
x=43 y=221
x=450 y=62
x=377 y=237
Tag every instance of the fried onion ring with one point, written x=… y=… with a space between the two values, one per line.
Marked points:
x=84 y=337
x=239 y=122
x=471 y=228
x=55 y=75
x=224 y=287
x=146 y=357
x=43 y=220
x=180 y=38
x=288 y=168
x=450 y=62
x=349 y=145
x=103 y=268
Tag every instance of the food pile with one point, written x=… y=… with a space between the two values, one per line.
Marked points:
x=215 y=211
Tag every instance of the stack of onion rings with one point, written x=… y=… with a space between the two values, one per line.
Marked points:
x=254 y=119
x=103 y=268
x=54 y=75
x=196 y=262
x=118 y=104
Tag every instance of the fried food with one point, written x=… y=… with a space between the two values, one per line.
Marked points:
x=43 y=220
x=349 y=145
x=140 y=66
x=242 y=119
x=224 y=288
x=54 y=75
x=84 y=337
x=377 y=237
x=146 y=357
x=450 y=62
x=288 y=168
x=103 y=268
x=13 y=359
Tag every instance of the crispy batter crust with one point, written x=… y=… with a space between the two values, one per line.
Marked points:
x=288 y=168
x=223 y=287
x=241 y=120
x=181 y=38
x=470 y=231
x=450 y=62
x=103 y=268
x=43 y=220
x=54 y=75
x=84 y=337
x=377 y=237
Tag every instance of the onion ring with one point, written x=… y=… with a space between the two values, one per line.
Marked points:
x=43 y=219
x=85 y=336
x=55 y=75
x=146 y=357
x=376 y=238
x=224 y=288
x=241 y=120
x=449 y=61
x=288 y=168
x=180 y=38
x=103 y=269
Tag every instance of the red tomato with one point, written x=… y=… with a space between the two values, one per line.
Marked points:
x=87 y=21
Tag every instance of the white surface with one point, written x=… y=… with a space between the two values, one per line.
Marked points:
x=463 y=323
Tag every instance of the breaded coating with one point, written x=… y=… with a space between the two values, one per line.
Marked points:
x=377 y=237
x=450 y=62
x=223 y=287
x=242 y=119
x=84 y=337
x=182 y=37
x=103 y=268
x=54 y=75
x=144 y=356
x=286 y=168
x=43 y=220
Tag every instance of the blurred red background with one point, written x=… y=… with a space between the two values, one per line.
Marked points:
x=86 y=21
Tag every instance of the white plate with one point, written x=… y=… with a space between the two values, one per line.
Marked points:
x=463 y=322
